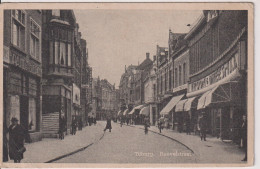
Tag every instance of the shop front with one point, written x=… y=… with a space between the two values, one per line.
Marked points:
x=169 y=114
x=222 y=99
x=22 y=93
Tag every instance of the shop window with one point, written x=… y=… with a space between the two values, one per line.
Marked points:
x=35 y=40
x=18 y=28
x=32 y=114
x=15 y=107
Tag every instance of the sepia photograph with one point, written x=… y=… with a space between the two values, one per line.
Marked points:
x=127 y=83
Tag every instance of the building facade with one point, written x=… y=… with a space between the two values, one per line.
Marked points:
x=22 y=73
x=218 y=75
x=58 y=69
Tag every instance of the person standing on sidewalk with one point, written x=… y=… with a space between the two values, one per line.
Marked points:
x=62 y=127
x=203 y=127
x=16 y=141
x=108 y=125
x=74 y=125
x=244 y=136
x=5 y=143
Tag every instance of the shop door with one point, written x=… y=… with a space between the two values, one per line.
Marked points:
x=24 y=111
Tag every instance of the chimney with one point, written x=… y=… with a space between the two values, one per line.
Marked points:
x=147 y=55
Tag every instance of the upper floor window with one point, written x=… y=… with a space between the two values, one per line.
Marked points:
x=60 y=53
x=176 y=77
x=184 y=73
x=34 y=40
x=56 y=13
x=180 y=82
x=18 y=28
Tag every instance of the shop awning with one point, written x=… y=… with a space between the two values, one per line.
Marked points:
x=119 y=112
x=227 y=93
x=171 y=104
x=145 y=111
x=180 y=105
x=136 y=108
x=191 y=103
x=125 y=112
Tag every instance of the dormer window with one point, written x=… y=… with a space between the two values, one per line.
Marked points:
x=56 y=13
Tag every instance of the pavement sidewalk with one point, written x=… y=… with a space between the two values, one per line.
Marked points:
x=211 y=151
x=51 y=148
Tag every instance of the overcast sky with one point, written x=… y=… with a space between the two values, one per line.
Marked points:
x=116 y=38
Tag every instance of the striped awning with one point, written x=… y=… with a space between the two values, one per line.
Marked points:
x=145 y=111
x=171 y=104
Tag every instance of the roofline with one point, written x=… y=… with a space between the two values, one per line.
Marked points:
x=196 y=26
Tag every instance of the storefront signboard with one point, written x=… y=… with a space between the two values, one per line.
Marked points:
x=25 y=64
x=219 y=74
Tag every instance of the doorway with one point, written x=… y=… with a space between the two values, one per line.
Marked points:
x=24 y=111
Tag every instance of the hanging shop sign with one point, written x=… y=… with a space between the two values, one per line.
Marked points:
x=76 y=94
x=25 y=64
x=219 y=74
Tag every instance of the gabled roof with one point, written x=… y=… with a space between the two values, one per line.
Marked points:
x=145 y=64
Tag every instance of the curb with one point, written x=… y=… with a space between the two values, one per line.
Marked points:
x=73 y=152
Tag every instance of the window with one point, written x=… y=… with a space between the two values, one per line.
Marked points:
x=69 y=55
x=176 y=77
x=170 y=79
x=35 y=40
x=180 y=82
x=62 y=53
x=184 y=73
x=18 y=28
x=56 y=13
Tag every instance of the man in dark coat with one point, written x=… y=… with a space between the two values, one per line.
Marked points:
x=16 y=141
x=244 y=136
x=203 y=127
x=108 y=125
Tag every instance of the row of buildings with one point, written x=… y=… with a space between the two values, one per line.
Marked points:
x=46 y=72
x=202 y=72
x=105 y=99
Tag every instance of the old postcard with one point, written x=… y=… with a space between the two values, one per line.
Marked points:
x=127 y=84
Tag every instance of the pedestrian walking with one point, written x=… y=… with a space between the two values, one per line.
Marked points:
x=146 y=125
x=80 y=124
x=160 y=124
x=244 y=136
x=74 y=125
x=94 y=120
x=108 y=125
x=16 y=141
x=203 y=127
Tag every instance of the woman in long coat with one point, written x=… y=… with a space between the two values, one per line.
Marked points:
x=16 y=141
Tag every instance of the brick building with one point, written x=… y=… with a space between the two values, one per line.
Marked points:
x=22 y=73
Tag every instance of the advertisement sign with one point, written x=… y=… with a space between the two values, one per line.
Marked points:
x=219 y=74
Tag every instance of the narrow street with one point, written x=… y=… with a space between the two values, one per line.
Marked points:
x=130 y=145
